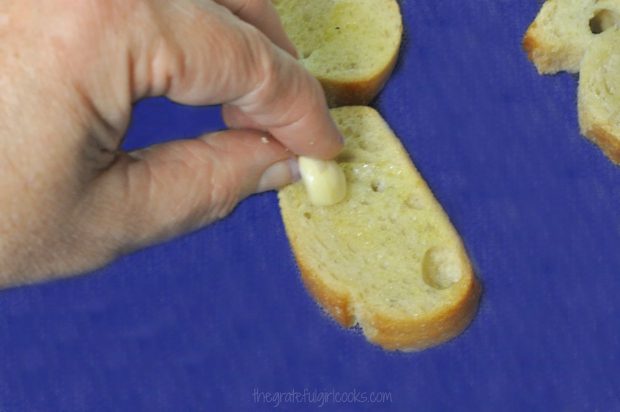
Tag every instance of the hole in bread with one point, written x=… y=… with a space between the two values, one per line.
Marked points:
x=377 y=186
x=307 y=215
x=603 y=20
x=441 y=267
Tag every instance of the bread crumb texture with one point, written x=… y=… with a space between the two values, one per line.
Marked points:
x=342 y=39
x=583 y=36
x=563 y=29
x=350 y=46
x=599 y=93
x=387 y=257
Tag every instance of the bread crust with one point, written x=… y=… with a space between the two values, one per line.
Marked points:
x=423 y=332
x=535 y=51
x=406 y=334
x=529 y=45
x=529 y=41
x=539 y=54
x=337 y=303
x=608 y=142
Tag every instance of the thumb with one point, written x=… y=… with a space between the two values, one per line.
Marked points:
x=168 y=189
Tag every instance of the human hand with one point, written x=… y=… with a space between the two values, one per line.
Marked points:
x=70 y=200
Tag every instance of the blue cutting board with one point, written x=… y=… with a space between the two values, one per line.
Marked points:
x=219 y=320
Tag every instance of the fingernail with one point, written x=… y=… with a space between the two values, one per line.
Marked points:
x=279 y=175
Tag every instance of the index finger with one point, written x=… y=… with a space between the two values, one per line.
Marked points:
x=210 y=56
x=291 y=105
x=262 y=15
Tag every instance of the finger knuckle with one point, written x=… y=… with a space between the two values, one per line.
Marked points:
x=222 y=193
x=210 y=184
x=266 y=67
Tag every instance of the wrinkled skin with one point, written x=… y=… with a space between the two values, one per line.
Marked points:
x=70 y=200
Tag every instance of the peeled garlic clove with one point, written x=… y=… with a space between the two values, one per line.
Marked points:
x=324 y=180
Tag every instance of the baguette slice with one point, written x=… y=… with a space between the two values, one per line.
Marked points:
x=599 y=93
x=350 y=46
x=386 y=257
x=563 y=29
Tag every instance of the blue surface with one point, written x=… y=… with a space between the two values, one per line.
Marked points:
x=207 y=321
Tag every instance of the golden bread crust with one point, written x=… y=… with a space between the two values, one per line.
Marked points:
x=397 y=333
x=608 y=142
x=530 y=43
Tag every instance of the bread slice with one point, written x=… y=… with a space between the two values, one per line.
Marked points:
x=386 y=257
x=350 y=46
x=599 y=93
x=563 y=29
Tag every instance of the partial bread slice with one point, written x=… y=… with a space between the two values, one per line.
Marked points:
x=350 y=46
x=563 y=29
x=582 y=36
x=387 y=257
x=599 y=93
